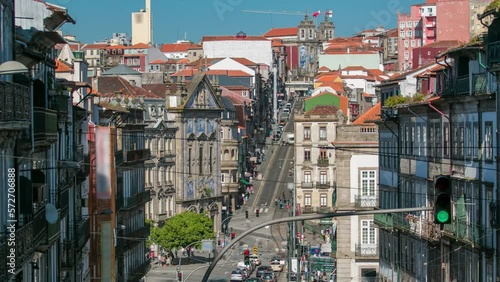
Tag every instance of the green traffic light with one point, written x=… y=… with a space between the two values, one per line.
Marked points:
x=442 y=216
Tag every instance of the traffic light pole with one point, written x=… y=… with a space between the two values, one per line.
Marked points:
x=301 y=218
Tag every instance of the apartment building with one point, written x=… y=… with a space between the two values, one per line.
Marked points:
x=450 y=134
x=356 y=171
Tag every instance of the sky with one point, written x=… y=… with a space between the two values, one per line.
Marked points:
x=192 y=19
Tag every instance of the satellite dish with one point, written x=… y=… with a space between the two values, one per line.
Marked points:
x=51 y=214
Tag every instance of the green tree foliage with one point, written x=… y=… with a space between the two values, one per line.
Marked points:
x=182 y=230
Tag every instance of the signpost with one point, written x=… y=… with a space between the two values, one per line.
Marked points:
x=255 y=250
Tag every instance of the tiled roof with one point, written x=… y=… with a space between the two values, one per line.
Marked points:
x=177 y=47
x=372 y=114
x=235 y=98
x=183 y=61
x=157 y=89
x=159 y=62
x=281 y=32
x=232 y=73
x=443 y=44
x=323 y=110
x=73 y=46
x=403 y=75
x=327 y=77
x=94 y=46
x=392 y=33
x=206 y=62
x=277 y=43
x=138 y=46
x=116 y=47
x=337 y=86
x=323 y=69
x=349 y=68
x=231 y=37
x=365 y=77
x=63 y=67
x=108 y=85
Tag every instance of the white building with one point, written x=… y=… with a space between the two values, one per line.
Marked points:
x=255 y=48
x=142 y=25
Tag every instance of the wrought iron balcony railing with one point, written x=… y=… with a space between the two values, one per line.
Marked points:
x=493 y=53
x=136 y=200
x=15 y=103
x=366 y=201
x=323 y=162
x=366 y=250
x=45 y=124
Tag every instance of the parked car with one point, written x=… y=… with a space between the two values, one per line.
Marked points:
x=261 y=269
x=268 y=277
x=276 y=265
x=237 y=275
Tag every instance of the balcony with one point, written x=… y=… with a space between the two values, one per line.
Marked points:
x=60 y=103
x=307 y=185
x=167 y=157
x=138 y=199
x=15 y=106
x=420 y=226
x=323 y=162
x=132 y=156
x=45 y=125
x=142 y=232
x=366 y=201
x=462 y=86
x=79 y=232
x=383 y=220
x=79 y=154
x=494 y=55
x=323 y=185
x=366 y=251
x=474 y=234
x=67 y=261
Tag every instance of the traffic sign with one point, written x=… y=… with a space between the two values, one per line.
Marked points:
x=255 y=250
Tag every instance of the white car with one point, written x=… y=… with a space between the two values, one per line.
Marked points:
x=255 y=259
x=237 y=275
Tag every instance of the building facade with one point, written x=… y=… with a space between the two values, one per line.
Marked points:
x=450 y=134
x=197 y=110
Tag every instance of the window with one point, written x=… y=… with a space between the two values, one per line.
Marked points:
x=446 y=139
x=222 y=177
x=402 y=34
x=413 y=43
x=409 y=33
x=222 y=133
x=200 y=161
x=406 y=43
x=488 y=141
x=210 y=160
x=408 y=24
x=307 y=200
x=401 y=25
x=322 y=200
x=367 y=232
x=475 y=140
x=322 y=133
x=323 y=154
x=368 y=178
x=322 y=177
x=302 y=33
x=407 y=55
x=307 y=133
x=415 y=24
x=307 y=176
x=189 y=161
x=310 y=33
x=419 y=43
x=307 y=155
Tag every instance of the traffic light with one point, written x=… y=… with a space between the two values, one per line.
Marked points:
x=246 y=253
x=257 y=213
x=247 y=260
x=232 y=236
x=246 y=214
x=442 y=200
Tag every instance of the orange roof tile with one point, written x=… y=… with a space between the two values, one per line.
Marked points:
x=327 y=78
x=158 y=62
x=323 y=69
x=277 y=43
x=281 y=32
x=365 y=77
x=244 y=61
x=372 y=114
x=138 y=46
x=95 y=46
x=177 y=47
x=63 y=67
x=232 y=73
x=337 y=86
x=183 y=61
x=349 y=68
x=116 y=47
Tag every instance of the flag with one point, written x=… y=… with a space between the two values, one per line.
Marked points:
x=329 y=13
x=315 y=14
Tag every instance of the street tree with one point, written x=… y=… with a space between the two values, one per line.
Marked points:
x=182 y=230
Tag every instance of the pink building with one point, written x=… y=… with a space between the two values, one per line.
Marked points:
x=457 y=19
x=416 y=29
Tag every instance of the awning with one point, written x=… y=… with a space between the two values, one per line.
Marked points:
x=244 y=181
